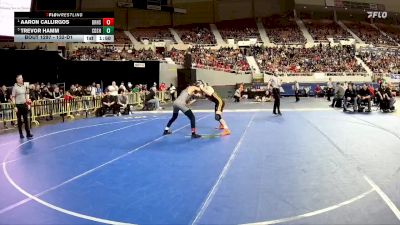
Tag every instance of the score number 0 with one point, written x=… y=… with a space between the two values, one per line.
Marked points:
x=108 y=21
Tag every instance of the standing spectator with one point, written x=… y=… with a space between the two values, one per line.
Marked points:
x=99 y=91
x=93 y=90
x=68 y=97
x=3 y=94
x=122 y=86
x=163 y=87
x=330 y=89
x=297 y=90
x=4 y=98
x=20 y=98
x=57 y=94
x=113 y=89
x=129 y=88
x=339 y=94
x=136 y=89
x=172 y=91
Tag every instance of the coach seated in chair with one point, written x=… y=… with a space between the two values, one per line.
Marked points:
x=350 y=96
x=108 y=103
x=338 y=97
x=385 y=98
x=318 y=91
x=151 y=100
x=364 y=96
x=123 y=103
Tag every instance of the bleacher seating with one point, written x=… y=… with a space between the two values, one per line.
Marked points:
x=322 y=30
x=282 y=30
x=196 y=34
x=383 y=61
x=240 y=30
x=391 y=30
x=369 y=34
x=304 y=60
x=153 y=34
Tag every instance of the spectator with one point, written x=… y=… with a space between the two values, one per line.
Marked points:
x=318 y=91
x=108 y=103
x=350 y=96
x=151 y=98
x=123 y=103
x=99 y=91
x=364 y=96
x=339 y=94
x=172 y=91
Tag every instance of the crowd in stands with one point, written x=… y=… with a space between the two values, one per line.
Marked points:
x=392 y=30
x=112 y=53
x=153 y=34
x=303 y=60
x=369 y=34
x=196 y=34
x=283 y=31
x=224 y=59
x=382 y=61
x=321 y=31
x=240 y=30
x=120 y=37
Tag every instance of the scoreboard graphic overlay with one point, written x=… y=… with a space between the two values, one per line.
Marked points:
x=64 y=27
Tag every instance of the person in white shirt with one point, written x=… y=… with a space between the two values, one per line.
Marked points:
x=172 y=92
x=275 y=84
x=330 y=89
x=113 y=89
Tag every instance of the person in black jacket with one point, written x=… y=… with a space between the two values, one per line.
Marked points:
x=152 y=99
x=385 y=98
x=364 y=95
x=350 y=95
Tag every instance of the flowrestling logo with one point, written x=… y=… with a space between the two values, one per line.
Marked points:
x=376 y=14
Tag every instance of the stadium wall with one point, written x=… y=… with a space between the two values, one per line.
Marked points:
x=198 y=11
x=390 y=5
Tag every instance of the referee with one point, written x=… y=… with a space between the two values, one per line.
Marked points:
x=275 y=83
x=20 y=98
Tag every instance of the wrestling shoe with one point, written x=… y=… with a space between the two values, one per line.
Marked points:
x=194 y=135
x=167 y=132
x=226 y=132
x=221 y=127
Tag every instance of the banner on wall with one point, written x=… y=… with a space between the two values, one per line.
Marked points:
x=139 y=65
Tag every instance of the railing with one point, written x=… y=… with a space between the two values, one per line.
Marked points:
x=69 y=108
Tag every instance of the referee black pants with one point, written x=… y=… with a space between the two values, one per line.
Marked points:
x=22 y=113
x=277 y=102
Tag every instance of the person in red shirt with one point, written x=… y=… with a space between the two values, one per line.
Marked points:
x=318 y=90
x=162 y=87
x=371 y=90
x=68 y=96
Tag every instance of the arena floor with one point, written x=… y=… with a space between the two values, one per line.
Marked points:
x=314 y=165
